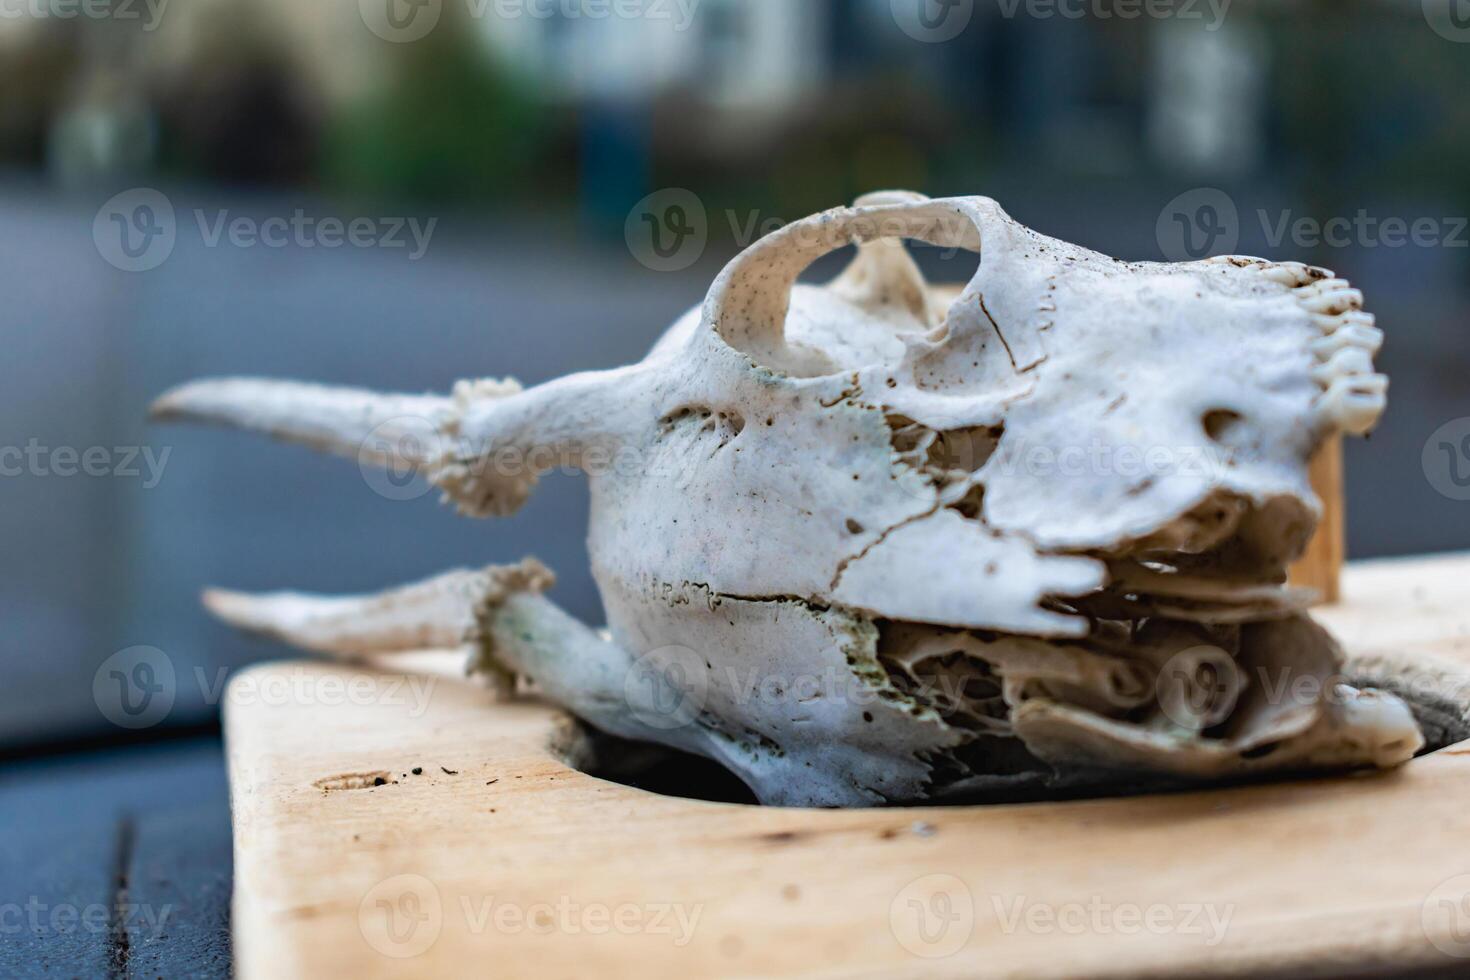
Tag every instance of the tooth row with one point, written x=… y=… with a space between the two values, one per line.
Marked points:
x=1353 y=396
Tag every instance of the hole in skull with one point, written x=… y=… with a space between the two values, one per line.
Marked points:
x=1220 y=425
x=946 y=456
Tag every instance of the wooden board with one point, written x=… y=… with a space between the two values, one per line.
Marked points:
x=1320 y=567
x=498 y=860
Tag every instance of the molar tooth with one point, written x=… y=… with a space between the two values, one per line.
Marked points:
x=1332 y=322
x=1288 y=273
x=1347 y=362
x=1331 y=296
x=1356 y=335
x=1354 y=403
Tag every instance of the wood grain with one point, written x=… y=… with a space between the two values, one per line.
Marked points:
x=499 y=860
x=1320 y=567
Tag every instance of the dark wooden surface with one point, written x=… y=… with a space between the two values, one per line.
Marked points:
x=116 y=863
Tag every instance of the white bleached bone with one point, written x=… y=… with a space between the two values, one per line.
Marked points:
x=885 y=542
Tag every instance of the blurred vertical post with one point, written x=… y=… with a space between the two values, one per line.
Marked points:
x=1320 y=567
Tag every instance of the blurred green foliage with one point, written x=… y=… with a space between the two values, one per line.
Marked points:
x=450 y=126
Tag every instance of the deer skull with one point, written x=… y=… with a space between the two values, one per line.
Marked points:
x=884 y=542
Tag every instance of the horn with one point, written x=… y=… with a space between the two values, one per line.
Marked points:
x=438 y=613
x=748 y=303
x=376 y=427
x=484 y=446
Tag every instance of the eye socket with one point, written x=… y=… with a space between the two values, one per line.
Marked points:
x=1218 y=422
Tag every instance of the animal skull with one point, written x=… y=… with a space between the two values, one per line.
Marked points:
x=884 y=542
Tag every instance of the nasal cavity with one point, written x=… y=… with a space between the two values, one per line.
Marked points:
x=1222 y=425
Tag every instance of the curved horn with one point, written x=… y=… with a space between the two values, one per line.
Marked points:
x=748 y=303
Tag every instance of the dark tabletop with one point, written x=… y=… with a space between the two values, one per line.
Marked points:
x=116 y=863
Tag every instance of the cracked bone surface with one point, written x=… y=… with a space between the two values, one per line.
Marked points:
x=886 y=542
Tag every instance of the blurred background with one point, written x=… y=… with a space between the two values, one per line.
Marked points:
x=400 y=193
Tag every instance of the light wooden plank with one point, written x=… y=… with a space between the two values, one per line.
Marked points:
x=505 y=867
x=1320 y=567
